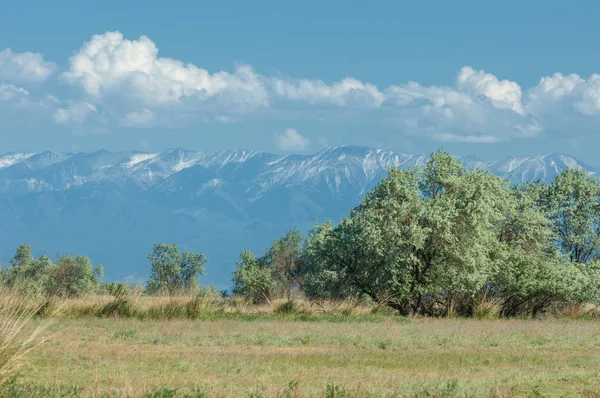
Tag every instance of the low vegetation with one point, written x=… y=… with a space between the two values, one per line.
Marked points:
x=278 y=356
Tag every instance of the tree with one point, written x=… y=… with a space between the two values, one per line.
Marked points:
x=572 y=205
x=279 y=271
x=533 y=275
x=174 y=272
x=434 y=238
x=284 y=257
x=253 y=278
x=27 y=274
x=420 y=237
x=73 y=276
x=22 y=257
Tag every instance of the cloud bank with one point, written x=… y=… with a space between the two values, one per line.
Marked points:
x=124 y=82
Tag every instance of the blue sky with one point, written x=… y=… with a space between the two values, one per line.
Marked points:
x=509 y=78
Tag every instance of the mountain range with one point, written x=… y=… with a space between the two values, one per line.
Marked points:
x=112 y=206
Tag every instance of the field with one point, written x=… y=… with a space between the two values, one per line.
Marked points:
x=285 y=356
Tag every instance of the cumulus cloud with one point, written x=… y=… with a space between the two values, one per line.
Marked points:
x=110 y=64
x=291 y=140
x=24 y=67
x=478 y=139
x=125 y=82
x=474 y=110
x=503 y=94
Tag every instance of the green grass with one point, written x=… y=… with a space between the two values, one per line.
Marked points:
x=270 y=355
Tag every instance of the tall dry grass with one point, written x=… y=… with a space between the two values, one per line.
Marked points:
x=488 y=306
x=16 y=338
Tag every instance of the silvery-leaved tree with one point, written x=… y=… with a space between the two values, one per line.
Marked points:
x=174 y=272
x=277 y=272
x=425 y=237
x=572 y=204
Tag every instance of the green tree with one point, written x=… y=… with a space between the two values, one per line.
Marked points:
x=573 y=207
x=253 y=278
x=73 y=276
x=533 y=275
x=174 y=272
x=284 y=258
x=26 y=273
x=419 y=236
x=424 y=239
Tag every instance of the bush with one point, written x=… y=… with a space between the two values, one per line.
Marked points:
x=71 y=276
x=253 y=279
x=287 y=307
x=201 y=306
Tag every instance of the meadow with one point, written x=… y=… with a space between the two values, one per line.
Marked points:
x=161 y=349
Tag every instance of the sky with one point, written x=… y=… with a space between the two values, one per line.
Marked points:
x=477 y=78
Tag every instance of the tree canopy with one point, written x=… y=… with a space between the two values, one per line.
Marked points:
x=426 y=239
x=174 y=272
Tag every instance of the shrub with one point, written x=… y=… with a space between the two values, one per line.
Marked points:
x=253 y=279
x=287 y=307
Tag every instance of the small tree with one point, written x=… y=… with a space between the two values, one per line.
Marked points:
x=73 y=276
x=26 y=273
x=174 y=272
x=253 y=278
x=284 y=257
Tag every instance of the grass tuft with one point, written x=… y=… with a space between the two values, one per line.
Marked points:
x=15 y=340
x=489 y=306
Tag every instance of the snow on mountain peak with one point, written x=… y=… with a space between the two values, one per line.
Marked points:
x=348 y=169
x=11 y=158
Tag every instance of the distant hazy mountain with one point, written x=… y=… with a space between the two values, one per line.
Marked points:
x=112 y=206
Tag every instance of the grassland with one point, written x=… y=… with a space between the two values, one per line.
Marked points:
x=353 y=355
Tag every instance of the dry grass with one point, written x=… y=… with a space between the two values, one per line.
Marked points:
x=205 y=346
x=194 y=307
x=488 y=306
x=16 y=341
x=396 y=357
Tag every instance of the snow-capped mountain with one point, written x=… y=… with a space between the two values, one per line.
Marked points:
x=113 y=206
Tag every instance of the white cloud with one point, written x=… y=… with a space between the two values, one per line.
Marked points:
x=503 y=94
x=109 y=64
x=24 y=67
x=125 y=82
x=13 y=94
x=291 y=140
x=478 y=139
x=75 y=113
x=349 y=91
x=475 y=110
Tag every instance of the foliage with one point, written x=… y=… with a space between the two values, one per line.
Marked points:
x=571 y=204
x=72 y=276
x=430 y=240
x=278 y=272
x=284 y=259
x=253 y=279
x=174 y=272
